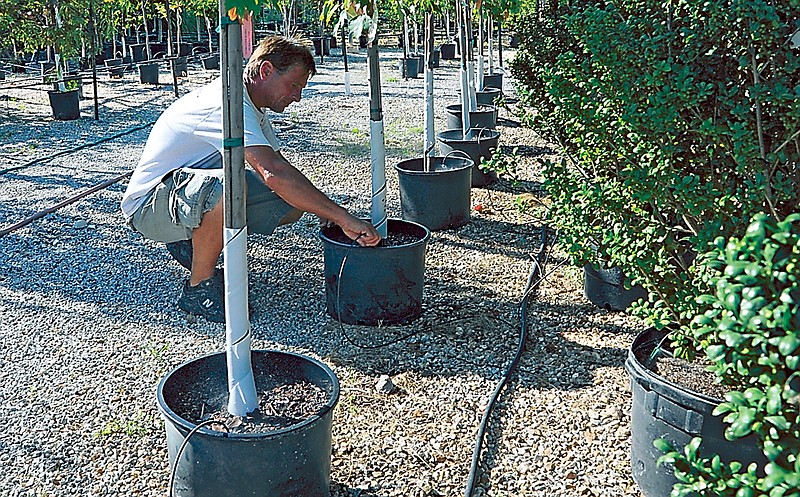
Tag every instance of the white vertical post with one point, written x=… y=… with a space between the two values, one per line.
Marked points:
x=242 y=397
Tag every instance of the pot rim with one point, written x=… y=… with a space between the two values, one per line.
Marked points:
x=355 y=246
x=465 y=163
x=173 y=417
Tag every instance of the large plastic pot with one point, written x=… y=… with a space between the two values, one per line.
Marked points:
x=604 y=287
x=488 y=95
x=485 y=116
x=481 y=145
x=287 y=462
x=65 y=104
x=448 y=51
x=148 y=73
x=409 y=67
x=440 y=198
x=378 y=285
x=662 y=409
x=321 y=47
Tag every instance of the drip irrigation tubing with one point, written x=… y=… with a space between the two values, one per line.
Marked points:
x=28 y=220
x=75 y=149
x=536 y=276
x=537 y=270
x=185 y=442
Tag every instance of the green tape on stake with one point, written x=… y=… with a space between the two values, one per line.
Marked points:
x=232 y=143
x=225 y=21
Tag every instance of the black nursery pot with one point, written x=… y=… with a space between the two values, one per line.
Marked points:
x=604 y=287
x=494 y=80
x=662 y=409
x=291 y=461
x=66 y=105
x=210 y=62
x=488 y=95
x=481 y=145
x=448 y=51
x=440 y=198
x=409 y=67
x=485 y=116
x=378 y=285
x=148 y=73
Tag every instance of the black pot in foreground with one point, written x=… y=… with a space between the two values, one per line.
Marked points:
x=662 y=409
x=378 y=285
x=292 y=461
x=440 y=198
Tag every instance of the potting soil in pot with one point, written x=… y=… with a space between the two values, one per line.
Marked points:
x=282 y=401
x=393 y=238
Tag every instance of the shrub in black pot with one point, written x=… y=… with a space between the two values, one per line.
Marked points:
x=750 y=333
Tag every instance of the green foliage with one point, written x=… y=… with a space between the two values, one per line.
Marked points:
x=750 y=332
x=677 y=124
x=502 y=163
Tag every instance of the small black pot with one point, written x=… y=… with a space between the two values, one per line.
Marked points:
x=604 y=287
x=484 y=116
x=295 y=460
x=323 y=47
x=448 y=51
x=115 y=68
x=409 y=67
x=180 y=66
x=440 y=198
x=148 y=73
x=65 y=104
x=662 y=409
x=482 y=145
x=494 y=80
x=210 y=61
x=378 y=285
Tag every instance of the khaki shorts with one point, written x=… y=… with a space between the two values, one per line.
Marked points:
x=176 y=206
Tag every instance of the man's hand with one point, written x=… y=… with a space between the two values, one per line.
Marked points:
x=362 y=232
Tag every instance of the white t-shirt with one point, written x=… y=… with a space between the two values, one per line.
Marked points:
x=187 y=135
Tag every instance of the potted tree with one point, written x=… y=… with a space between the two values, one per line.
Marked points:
x=382 y=284
x=226 y=434
x=434 y=191
x=675 y=129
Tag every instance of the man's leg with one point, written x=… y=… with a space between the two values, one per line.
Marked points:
x=207 y=245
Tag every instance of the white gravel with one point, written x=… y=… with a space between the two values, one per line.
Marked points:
x=90 y=323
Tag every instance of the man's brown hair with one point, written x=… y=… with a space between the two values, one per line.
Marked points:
x=283 y=53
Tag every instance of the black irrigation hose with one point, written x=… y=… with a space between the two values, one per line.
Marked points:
x=185 y=442
x=28 y=220
x=536 y=270
x=79 y=147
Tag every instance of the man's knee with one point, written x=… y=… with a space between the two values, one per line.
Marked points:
x=292 y=217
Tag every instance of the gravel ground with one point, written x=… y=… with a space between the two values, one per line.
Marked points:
x=90 y=322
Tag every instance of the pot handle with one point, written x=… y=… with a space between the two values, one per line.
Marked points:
x=481 y=133
x=455 y=151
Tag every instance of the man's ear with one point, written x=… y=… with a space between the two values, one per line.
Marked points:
x=266 y=69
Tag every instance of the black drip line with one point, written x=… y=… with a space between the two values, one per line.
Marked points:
x=536 y=276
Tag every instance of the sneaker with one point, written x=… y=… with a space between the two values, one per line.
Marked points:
x=181 y=251
x=207 y=299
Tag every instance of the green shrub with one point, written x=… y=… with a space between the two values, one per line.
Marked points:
x=751 y=333
x=677 y=123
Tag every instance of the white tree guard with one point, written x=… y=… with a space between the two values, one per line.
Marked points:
x=242 y=398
